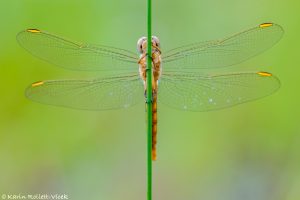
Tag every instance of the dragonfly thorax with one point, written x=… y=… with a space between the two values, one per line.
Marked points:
x=155 y=58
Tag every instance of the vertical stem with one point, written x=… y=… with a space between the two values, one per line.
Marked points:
x=149 y=102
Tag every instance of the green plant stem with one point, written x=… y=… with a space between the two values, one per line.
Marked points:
x=149 y=103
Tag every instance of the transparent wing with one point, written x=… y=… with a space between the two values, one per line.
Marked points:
x=203 y=93
x=97 y=94
x=74 y=55
x=225 y=52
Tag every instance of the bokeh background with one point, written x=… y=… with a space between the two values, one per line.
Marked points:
x=247 y=152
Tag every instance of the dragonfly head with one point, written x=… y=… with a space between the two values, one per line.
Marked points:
x=142 y=44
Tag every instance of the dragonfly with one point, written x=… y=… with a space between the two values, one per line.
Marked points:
x=181 y=77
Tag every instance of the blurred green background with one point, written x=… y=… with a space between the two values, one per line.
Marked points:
x=247 y=152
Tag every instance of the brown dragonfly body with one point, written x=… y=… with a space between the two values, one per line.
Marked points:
x=156 y=73
x=190 y=80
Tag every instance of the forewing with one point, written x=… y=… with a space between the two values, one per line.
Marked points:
x=97 y=94
x=203 y=93
x=225 y=52
x=74 y=55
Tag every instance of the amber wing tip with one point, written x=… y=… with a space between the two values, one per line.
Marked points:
x=264 y=74
x=36 y=84
x=264 y=25
x=33 y=30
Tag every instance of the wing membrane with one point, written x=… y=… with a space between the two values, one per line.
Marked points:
x=203 y=93
x=96 y=94
x=74 y=55
x=225 y=52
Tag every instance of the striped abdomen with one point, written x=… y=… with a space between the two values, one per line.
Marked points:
x=154 y=126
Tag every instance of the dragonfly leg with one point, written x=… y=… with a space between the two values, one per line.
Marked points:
x=156 y=48
x=154 y=94
x=146 y=99
x=141 y=60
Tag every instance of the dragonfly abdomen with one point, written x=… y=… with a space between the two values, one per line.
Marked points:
x=154 y=126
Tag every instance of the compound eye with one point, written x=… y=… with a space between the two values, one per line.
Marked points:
x=140 y=44
x=156 y=41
